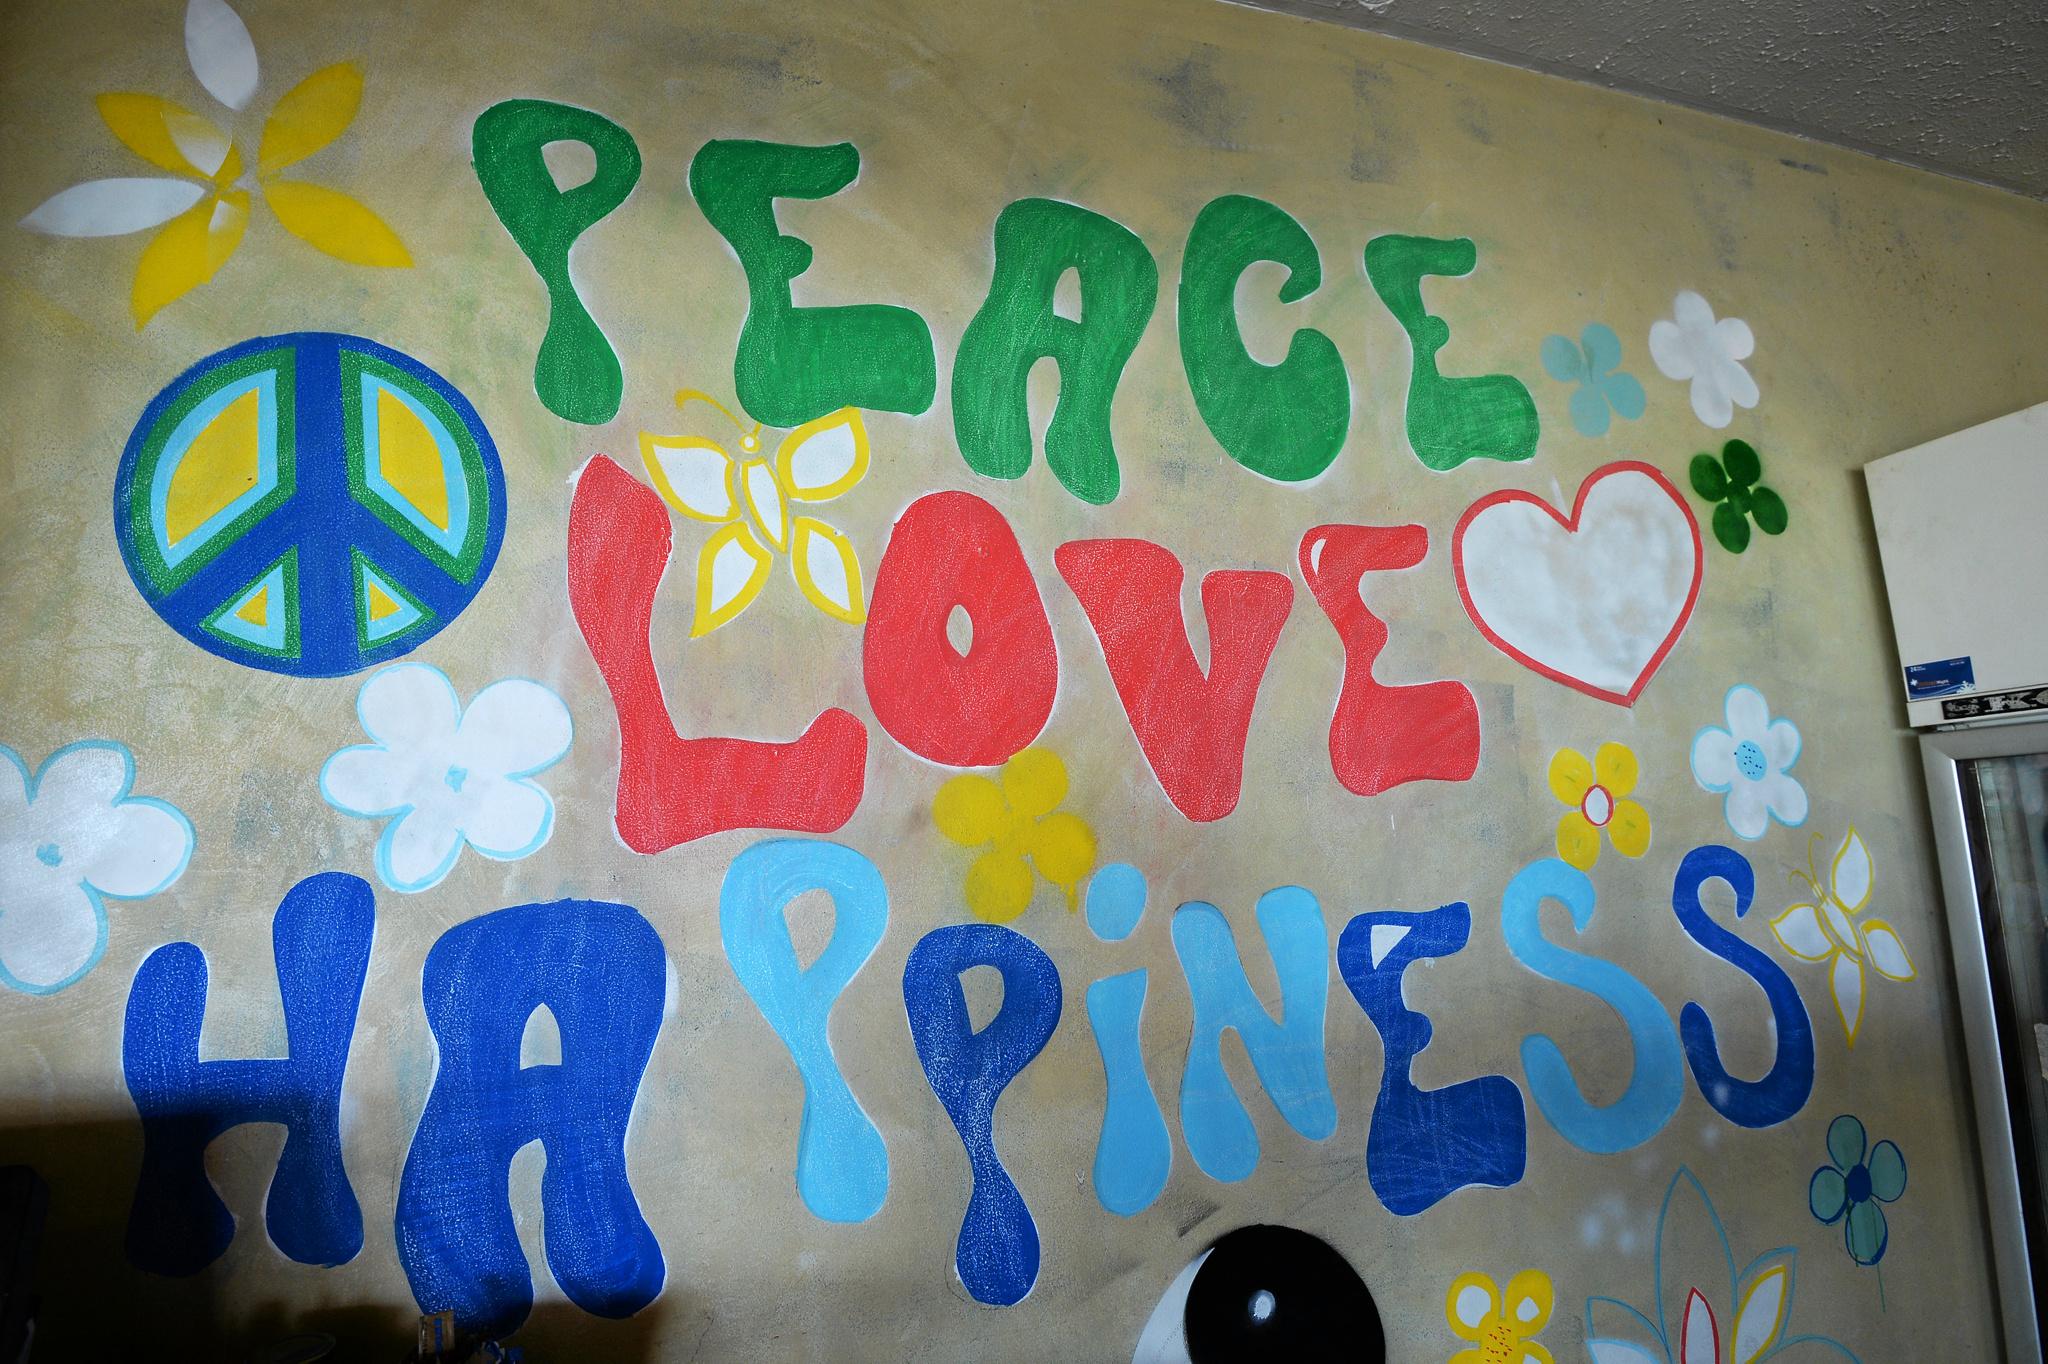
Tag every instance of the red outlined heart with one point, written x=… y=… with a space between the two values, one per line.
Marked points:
x=1595 y=600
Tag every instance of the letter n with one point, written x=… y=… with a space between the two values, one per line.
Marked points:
x=1288 y=1054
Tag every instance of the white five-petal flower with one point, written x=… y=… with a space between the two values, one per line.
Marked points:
x=70 y=838
x=1831 y=930
x=1691 y=344
x=446 y=776
x=1751 y=761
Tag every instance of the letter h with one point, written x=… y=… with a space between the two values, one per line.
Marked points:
x=178 y=1224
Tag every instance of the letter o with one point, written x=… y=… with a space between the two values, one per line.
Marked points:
x=961 y=710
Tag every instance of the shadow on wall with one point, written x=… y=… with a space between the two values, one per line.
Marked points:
x=94 y=1305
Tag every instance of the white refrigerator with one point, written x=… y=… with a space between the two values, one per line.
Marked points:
x=1962 y=528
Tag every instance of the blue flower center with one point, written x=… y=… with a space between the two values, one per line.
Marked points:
x=50 y=855
x=1749 y=760
x=456 y=776
x=1859 y=1184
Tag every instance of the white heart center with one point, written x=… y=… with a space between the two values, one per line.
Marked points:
x=1595 y=603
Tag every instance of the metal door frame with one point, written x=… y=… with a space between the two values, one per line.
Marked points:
x=1941 y=754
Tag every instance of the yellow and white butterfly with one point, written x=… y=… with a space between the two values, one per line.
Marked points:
x=1834 y=929
x=750 y=496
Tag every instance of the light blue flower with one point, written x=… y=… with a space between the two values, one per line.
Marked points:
x=71 y=838
x=1749 y=764
x=1592 y=364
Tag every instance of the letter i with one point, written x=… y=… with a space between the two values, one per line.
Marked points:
x=1134 y=1153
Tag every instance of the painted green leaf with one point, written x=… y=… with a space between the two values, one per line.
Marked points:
x=1744 y=468
x=1731 y=528
x=1707 y=479
x=1768 y=509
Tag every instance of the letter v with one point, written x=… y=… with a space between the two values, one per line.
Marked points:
x=1191 y=727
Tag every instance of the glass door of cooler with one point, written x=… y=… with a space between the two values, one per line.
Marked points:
x=1989 y=794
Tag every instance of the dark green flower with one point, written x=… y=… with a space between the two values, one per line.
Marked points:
x=1730 y=482
x=1850 y=1186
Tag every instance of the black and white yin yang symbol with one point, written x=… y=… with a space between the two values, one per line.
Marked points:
x=1265 y=1293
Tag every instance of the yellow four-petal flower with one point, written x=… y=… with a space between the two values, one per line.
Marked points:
x=1597 y=791
x=1502 y=1328
x=1022 y=826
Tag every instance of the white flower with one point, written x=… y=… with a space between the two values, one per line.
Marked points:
x=1751 y=760
x=1692 y=345
x=449 y=776
x=70 y=836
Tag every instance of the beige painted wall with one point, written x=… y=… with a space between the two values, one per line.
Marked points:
x=1888 y=306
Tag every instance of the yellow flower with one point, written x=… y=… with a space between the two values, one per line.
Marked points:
x=1022 y=826
x=202 y=219
x=1501 y=1332
x=1832 y=929
x=1595 y=791
x=750 y=495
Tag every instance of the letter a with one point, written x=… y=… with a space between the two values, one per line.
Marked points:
x=598 y=968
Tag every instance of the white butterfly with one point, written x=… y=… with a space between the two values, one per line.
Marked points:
x=1831 y=930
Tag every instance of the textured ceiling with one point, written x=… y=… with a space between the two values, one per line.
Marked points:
x=1954 y=86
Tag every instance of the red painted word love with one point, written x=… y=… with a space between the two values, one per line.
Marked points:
x=976 y=707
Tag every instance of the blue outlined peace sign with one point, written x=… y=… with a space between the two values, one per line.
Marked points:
x=311 y=504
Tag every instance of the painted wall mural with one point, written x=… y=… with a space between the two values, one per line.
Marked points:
x=1079 y=653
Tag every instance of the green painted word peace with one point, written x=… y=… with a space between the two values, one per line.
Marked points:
x=1286 y=421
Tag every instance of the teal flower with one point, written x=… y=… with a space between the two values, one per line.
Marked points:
x=1588 y=363
x=1730 y=482
x=1850 y=1188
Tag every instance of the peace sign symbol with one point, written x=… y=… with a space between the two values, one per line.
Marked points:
x=310 y=504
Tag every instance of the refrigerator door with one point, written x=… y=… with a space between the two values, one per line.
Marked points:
x=1989 y=793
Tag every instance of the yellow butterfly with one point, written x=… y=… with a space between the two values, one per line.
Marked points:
x=749 y=495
